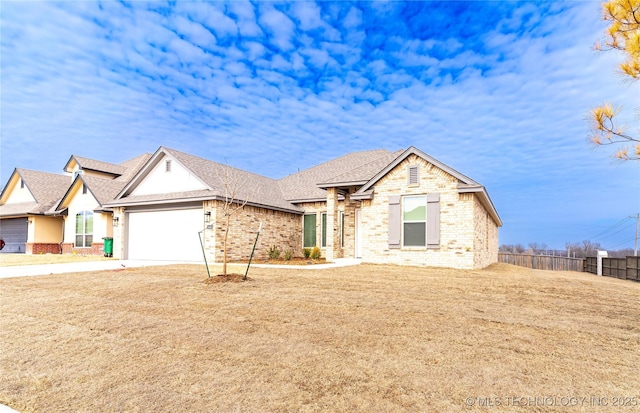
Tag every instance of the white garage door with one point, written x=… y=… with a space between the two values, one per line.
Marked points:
x=165 y=235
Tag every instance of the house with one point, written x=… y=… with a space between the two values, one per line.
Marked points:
x=28 y=221
x=174 y=206
x=93 y=184
x=401 y=207
x=35 y=206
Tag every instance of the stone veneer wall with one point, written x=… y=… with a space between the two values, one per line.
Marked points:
x=350 y=206
x=457 y=216
x=118 y=233
x=486 y=236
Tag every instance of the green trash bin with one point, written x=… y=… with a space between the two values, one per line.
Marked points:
x=108 y=246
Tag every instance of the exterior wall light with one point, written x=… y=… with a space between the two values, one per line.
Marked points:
x=116 y=221
x=207 y=216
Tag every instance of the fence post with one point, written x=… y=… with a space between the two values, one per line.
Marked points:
x=601 y=255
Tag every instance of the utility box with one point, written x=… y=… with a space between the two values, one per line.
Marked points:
x=108 y=246
x=601 y=255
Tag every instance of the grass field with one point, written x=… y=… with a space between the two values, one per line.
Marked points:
x=364 y=338
x=7 y=260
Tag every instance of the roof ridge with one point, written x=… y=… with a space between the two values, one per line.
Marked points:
x=41 y=172
x=226 y=165
x=364 y=165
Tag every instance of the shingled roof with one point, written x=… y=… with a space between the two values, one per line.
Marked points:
x=94 y=165
x=105 y=189
x=353 y=168
x=46 y=188
x=256 y=189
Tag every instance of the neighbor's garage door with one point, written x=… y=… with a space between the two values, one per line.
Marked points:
x=14 y=233
x=165 y=235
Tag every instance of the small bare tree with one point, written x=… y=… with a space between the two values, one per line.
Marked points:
x=232 y=182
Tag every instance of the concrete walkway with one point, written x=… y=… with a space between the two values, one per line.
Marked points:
x=32 y=270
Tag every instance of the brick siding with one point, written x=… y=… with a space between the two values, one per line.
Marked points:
x=282 y=229
x=40 y=248
x=97 y=248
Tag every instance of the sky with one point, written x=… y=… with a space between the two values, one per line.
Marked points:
x=500 y=91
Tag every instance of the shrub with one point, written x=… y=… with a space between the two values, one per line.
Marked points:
x=274 y=252
x=306 y=252
x=288 y=254
x=315 y=253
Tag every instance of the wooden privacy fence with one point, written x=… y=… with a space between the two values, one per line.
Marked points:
x=542 y=262
x=622 y=268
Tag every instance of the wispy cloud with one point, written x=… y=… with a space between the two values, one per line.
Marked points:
x=497 y=90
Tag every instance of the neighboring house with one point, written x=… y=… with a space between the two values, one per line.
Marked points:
x=93 y=184
x=28 y=220
x=383 y=207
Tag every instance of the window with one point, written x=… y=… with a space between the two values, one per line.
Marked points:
x=21 y=183
x=84 y=189
x=414 y=176
x=167 y=165
x=407 y=218
x=309 y=230
x=323 y=218
x=84 y=229
x=414 y=221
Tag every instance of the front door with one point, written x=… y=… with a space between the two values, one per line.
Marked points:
x=358 y=235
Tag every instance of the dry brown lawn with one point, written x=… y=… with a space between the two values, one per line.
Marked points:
x=8 y=260
x=365 y=338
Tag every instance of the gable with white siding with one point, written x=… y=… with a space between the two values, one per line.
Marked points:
x=168 y=176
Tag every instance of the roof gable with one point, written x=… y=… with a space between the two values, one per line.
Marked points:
x=16 y=191
x=465 y=184
x=166 y=174
x=102 y=189
x=45 y=189
x=415 y=151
